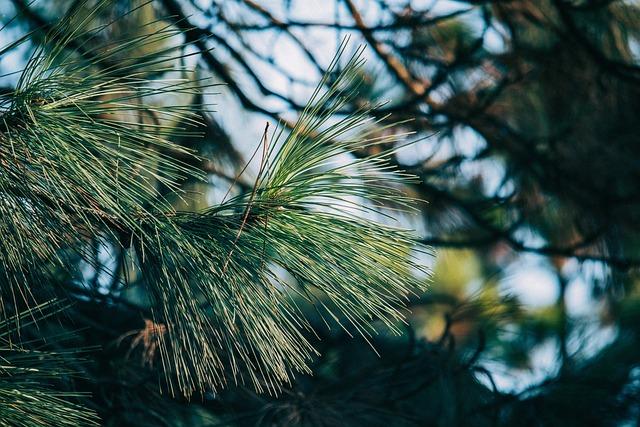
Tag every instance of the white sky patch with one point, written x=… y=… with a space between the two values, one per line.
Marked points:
x=544 y=364
x=578 y=298
x=531 y=281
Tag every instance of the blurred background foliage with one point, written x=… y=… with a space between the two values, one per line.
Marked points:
x=525 y=122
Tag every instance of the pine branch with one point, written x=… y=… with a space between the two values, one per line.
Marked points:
x=84 y=147
x=82 y=151
x=214 y=276
x=26 y=397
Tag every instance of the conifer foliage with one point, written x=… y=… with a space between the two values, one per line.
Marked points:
x=88 y=154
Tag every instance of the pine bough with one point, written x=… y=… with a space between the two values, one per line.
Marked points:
x=84 y=148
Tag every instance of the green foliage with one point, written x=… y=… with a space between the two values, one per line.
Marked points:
x=27 y=398
x=286 y=304
x=84 y=151
x=214 y=275
x=83 y=148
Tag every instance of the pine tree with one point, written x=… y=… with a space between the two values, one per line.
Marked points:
x=89 y=159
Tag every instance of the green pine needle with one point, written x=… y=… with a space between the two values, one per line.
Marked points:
x=214 y=276
x=83 y=147
x=26 y=397
x=83 y=151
